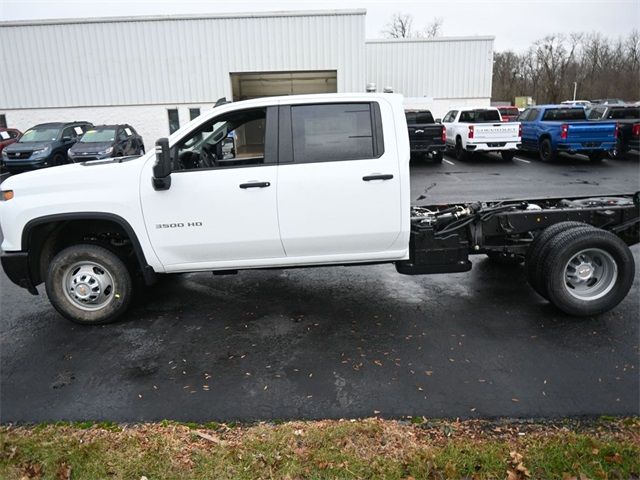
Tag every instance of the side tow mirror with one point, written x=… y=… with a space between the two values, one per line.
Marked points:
x=162 y=168
x=438 y=120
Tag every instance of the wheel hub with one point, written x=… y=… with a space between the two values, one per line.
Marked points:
x=88 y=285
x=584 y=271
x=590 y=274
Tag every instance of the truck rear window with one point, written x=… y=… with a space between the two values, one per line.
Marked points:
x=480 y=116
x=512 y=112
x=624 y=113
x=561 y=114
x=419 y=118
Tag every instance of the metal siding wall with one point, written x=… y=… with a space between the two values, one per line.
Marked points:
x=444 y=68
x=171 y=61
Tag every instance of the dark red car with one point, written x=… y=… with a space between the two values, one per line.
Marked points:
x=8 y=136
x=509 y=114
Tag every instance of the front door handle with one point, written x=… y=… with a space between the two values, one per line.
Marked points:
x=255 y=185
x=386 y=176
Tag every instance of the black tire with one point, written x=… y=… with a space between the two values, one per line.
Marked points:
x=58 y=159
x=545 y=150
x=537 y=250
x=436 y=157
x=618 y=151
x=461 y=153
x=507 y=259
x=570 y=243
x=596 y=157
x=507 y=156
x=61 y=269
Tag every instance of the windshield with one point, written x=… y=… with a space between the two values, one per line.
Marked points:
x=419 y=118
x=99 y=136
x=40 y=135
x=480 y=116
x=565 y=114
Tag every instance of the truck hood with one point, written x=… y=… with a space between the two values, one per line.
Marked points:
x=76 y=178
x=90 y=147
x=26 y=147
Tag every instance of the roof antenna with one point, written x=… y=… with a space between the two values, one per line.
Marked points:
x=221 y=101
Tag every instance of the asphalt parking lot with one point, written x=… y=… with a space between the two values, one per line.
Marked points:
x=339 y=342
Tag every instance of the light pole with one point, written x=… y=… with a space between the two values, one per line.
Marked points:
x=575 y=89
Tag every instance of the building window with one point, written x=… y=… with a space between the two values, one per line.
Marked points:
x=194 y=113
x=3 y=121
x=174 y=121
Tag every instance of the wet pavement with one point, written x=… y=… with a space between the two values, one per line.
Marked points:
x=338 y=342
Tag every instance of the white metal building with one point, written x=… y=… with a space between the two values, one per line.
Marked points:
x=438 y=74
x=157 y=73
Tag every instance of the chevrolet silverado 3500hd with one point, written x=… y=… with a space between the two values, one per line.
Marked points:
x=301 y=181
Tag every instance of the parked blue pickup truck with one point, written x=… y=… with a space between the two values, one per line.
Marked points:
x=551 y=129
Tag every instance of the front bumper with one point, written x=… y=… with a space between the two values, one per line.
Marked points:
x=18 y=166
x=16 y=266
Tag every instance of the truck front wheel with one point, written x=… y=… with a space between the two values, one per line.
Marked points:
x=588 y=273
x=546 y=151
x=89 y=284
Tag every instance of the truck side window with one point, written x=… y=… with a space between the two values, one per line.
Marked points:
x=69 y=132
x=230 y=140
x=330 y=133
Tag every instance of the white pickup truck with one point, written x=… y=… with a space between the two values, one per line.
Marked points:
x=471 y=130
x=288 y=182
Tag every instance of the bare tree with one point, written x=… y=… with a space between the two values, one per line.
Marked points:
x=433 y=29
x=601 y=67
x=399 y=26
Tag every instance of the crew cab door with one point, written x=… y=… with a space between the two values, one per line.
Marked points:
x=339 y=185
x=529 y=128
x=220 y=210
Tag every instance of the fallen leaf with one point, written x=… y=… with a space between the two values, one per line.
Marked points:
x=64 y=471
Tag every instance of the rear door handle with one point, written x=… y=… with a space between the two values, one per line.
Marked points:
x=255 y=185
x=386 y=176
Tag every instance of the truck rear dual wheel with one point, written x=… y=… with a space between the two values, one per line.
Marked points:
x=581 y=269
x=588 y=271
x=89 y=284
x=538 y=251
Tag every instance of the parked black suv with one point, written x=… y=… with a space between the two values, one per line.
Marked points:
x=104 y=141
x=44 y=145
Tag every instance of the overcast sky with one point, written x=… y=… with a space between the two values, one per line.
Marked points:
x=514 y=23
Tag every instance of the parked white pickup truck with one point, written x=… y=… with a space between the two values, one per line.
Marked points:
x=288 y=182
x=471 y=130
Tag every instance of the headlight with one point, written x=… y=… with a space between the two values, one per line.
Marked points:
x=106 y=152
x=42 y=152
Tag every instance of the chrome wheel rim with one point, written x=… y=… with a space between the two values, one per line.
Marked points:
x=590 y=274
x=88 y=285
